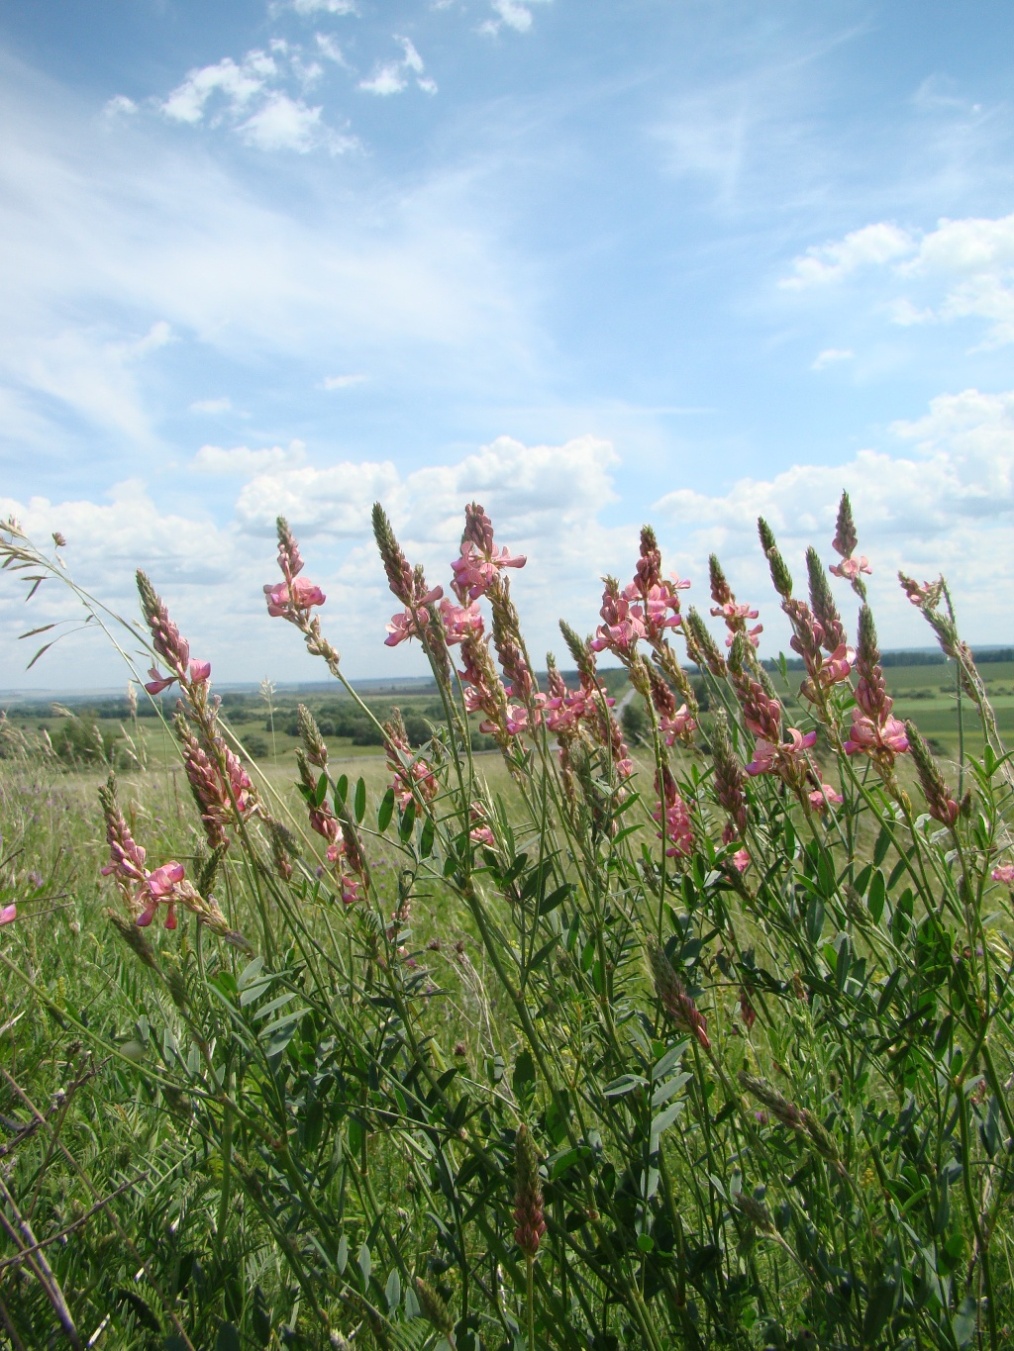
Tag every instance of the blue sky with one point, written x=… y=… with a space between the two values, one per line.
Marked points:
x=592 y=263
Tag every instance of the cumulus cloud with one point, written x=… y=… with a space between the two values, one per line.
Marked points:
x=941 y=498
x=869 y=247
x=963 y=269
x=246 y=96
x=241 y=460
x=945 y=503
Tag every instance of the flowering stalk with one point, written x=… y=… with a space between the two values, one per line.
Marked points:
x=674 y=999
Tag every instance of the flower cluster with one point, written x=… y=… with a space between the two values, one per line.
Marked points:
x=142 y=890
x=166 y=640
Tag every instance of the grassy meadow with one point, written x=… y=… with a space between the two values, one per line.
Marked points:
x=651 y=1006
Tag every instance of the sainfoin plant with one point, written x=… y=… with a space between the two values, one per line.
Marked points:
x=705 y=1043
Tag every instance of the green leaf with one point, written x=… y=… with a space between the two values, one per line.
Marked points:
x=342 y=1255
x=320 y=792
x=814 y=920
x=385 y=811
x=228 y=1338
x=882 y=845
x=392 y=1290
x=555 y=898
x=523 y=1079
x=626 y=1083
x=365 y=1263
x=360 y=803
x=877 y=897
x=661 y=1121
x=407 y=823
x=879 y=1308
x=426 y=837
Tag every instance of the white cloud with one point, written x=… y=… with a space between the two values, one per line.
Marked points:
x=238 y=84
x=246 y=97
x=246 y=462
x=413 y=60
x=392 y=77
x=388 y=79
x=868 y=247
x=311 y=7
x=282 y=123
x=212 y=406
x=831 y=356
x=331 y=382
x=120 y=106
x=511 y=14
x=90 y=372
x=945 y=503
x=963 y=269
x=328 y=48
x=947 y=507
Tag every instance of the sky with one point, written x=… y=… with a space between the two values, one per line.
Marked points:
x=591 y=263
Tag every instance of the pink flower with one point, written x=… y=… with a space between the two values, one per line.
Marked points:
x=8 y=914
x=287 y=599
x=161 y=885
x=825 y=796
x=482 y=835
x=741 y=860
x=198 y=672
x=681 y=724
x=459 y=620
x=733 y=611
x=678 y=831
x=867 y=737
x=753 y=634
x=1003 y=873
x=850 y=568
x=770 y=757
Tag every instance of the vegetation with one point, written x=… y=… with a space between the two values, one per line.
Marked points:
x=704 y=1042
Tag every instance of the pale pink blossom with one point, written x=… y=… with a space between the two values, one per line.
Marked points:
x=482 y=835
x=8 y=914
x=1003 y=873
x=825 y=796
x=850 y=568
x=741 y=860
x=753 y=634
x=288 y=598
x=771 y=757
x=680 y=725
x=867 y=736
x=459 y=620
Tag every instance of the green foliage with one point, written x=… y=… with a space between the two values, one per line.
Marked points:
x=577 y=1054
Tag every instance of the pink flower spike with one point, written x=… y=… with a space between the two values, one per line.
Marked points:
x=741 y=860
x=199 y=671
x=1003 y=873
x=8 y=914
